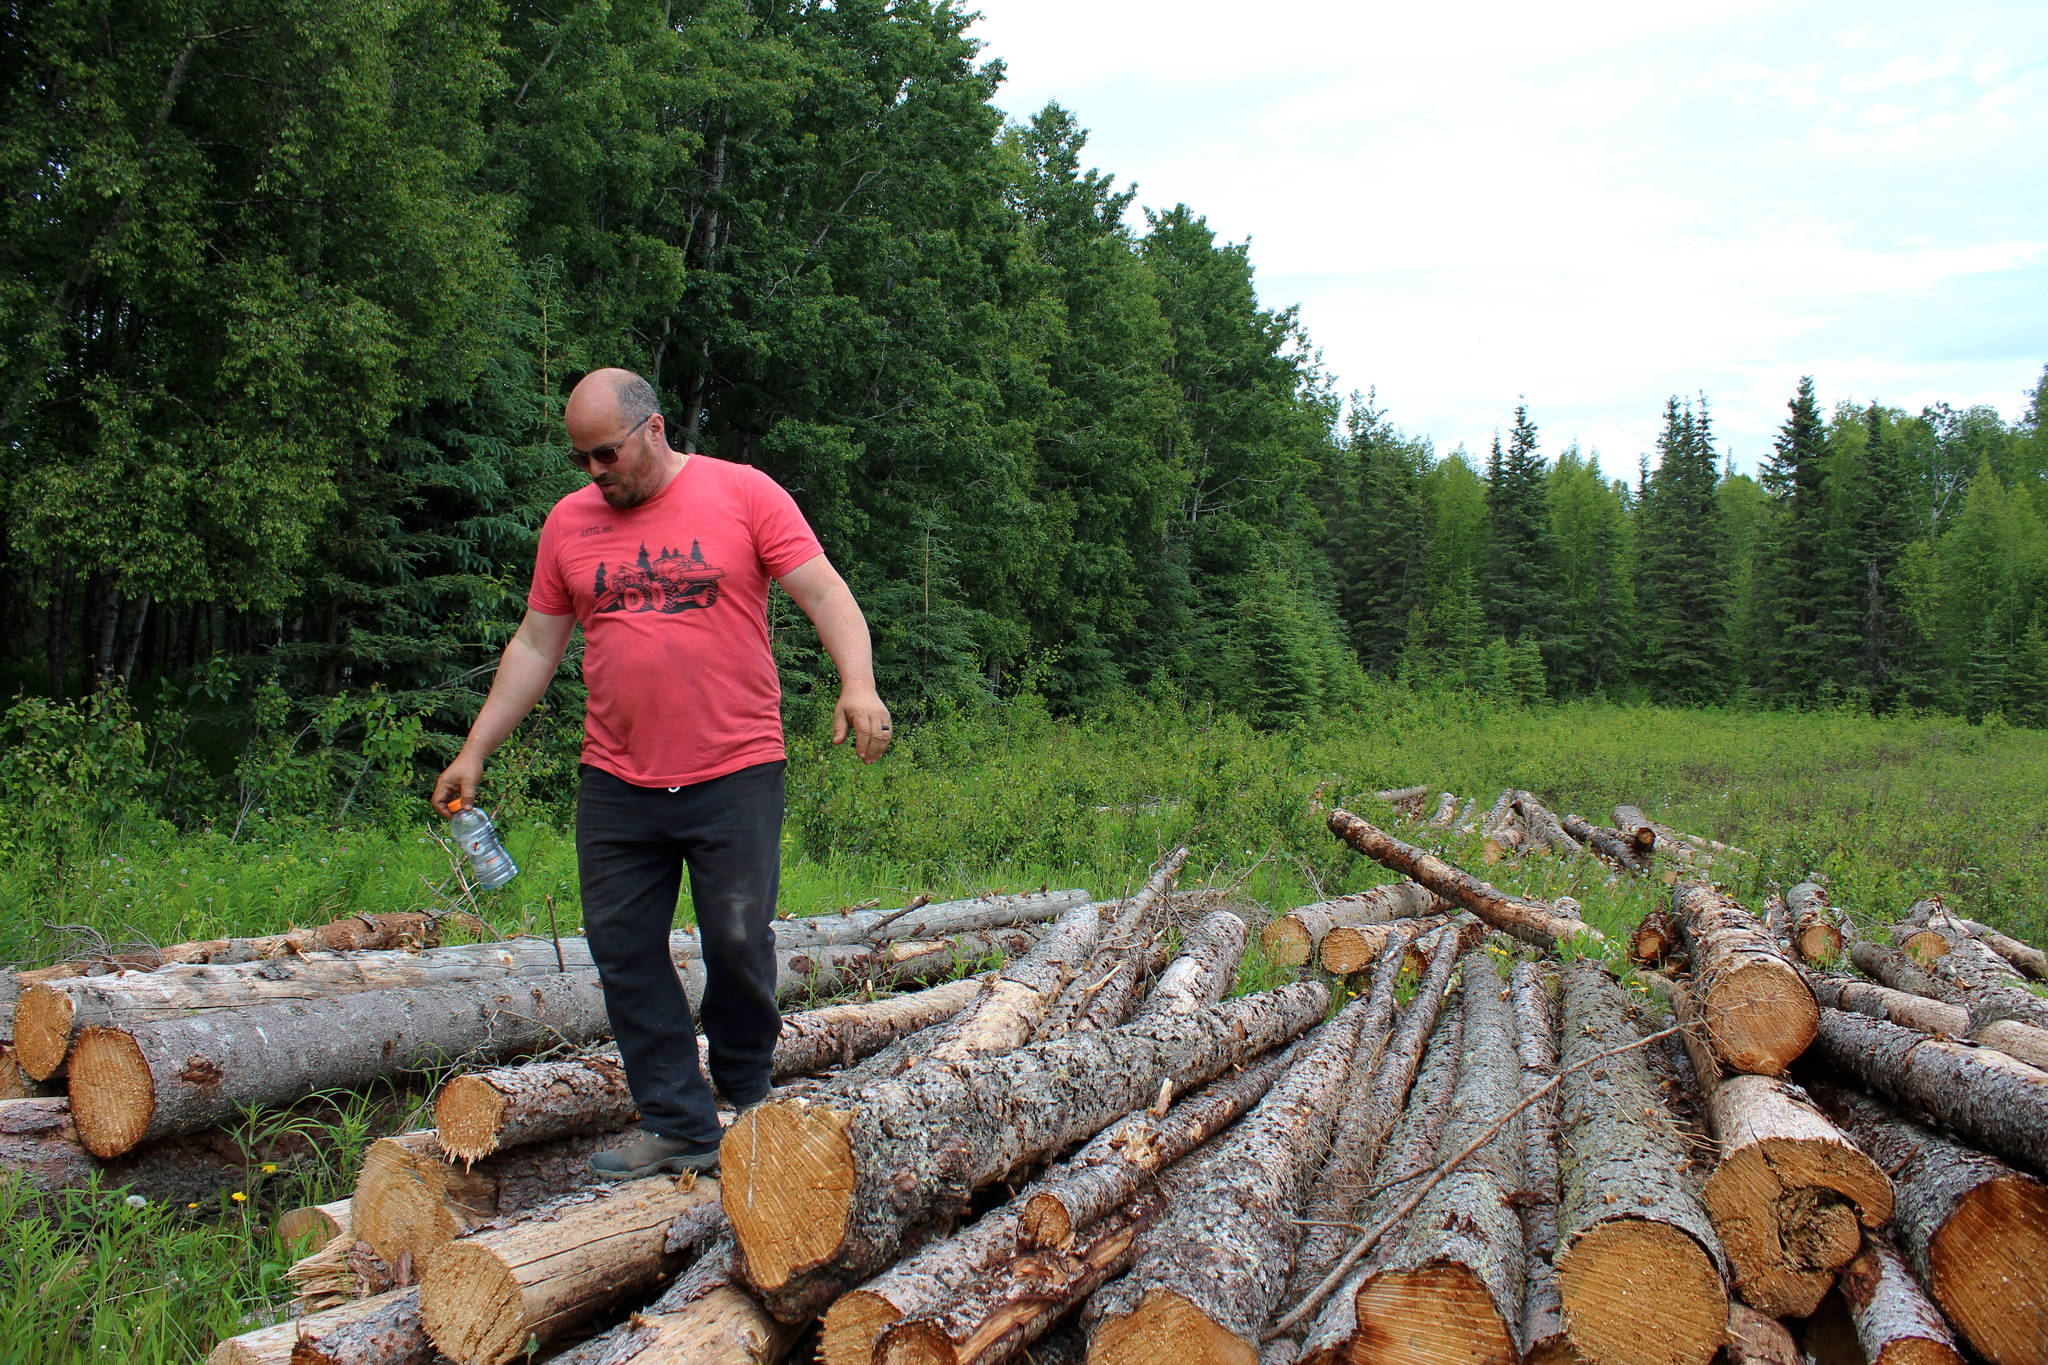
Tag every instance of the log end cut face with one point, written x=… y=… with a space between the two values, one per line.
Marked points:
x=1614 y=1272
x=1436 y=1315
x=113 y=1094
x=1165 y=1329
x=1790 y=1214
x=1760 y=1016
x=1989 y=1269
x=789 y=1177
x=1045 y=1222
x=468 y=1115
x=42 y=1031
x=851 y=1327
x=1286 y=941
x=471 y=1306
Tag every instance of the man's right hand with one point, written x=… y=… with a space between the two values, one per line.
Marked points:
x=457 y=784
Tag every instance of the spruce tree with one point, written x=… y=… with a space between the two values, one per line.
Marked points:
x=1790 y=581
x=1521 y=583
x=1378 y=539
x=1683 y=598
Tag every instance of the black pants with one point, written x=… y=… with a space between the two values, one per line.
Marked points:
x=632 y=844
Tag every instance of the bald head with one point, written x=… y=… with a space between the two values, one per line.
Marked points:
x=610 y=395
x=616 y=427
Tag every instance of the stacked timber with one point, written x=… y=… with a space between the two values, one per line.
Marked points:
x=1295 y=938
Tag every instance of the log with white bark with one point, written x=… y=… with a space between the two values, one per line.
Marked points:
x=1292 y=939
x=273 y=1345
x=1938 y=1017
x=1101 y=993
x=1758 y=1010
x=129 y=1085
x=1974 y=1230
x=1532 y=921
x=1649 y=837
x=2027 y=959
x=1113 y=1169
x=1813 y=926
x=1790 y=1195
x=704 y=1318
x=1544 y=1341
x=1383 y=1071
x=822 y=1194
x=1211 y=1268
x=1985 y=1002
x=483 y=1298
x=1015 y=999
x=389 y=1335
x=483 y=1112
x=1202 y=972
x=1611 y=846
x=1446 y=811
x=1980 y=1095
x=1631 y=1232
x=1547 y=832
x=1450 y=1287
x=1407 y=1155
x=1896 y=1323
x=1407 y=800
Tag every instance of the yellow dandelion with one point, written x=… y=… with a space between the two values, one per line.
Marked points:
x=193 y=1205
x=270 y=1168
x=239 y=1197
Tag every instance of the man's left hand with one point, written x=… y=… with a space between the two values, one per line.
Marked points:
x=862 y=715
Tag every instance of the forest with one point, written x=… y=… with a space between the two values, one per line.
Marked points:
x=296 y=292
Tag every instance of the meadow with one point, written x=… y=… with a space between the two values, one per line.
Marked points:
x=1005 y=797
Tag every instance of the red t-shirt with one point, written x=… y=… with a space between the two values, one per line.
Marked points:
x=673 y=599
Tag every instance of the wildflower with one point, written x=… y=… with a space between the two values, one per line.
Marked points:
x=239 y=1197
x=193 y=1205
x=270 y=1168
x=136 y=1201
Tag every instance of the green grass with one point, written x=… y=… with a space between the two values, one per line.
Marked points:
x=1010 y=798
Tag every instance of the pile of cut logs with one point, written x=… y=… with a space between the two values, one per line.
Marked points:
x=1467 y=1138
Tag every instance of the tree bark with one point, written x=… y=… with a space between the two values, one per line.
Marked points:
x=941 y=920
x=1813 y=926
x=704 y=1318
x=39 y=1144
x=1383 y=1071
x=1896 y=968
x=1649 y=837
x=821 y=1195
x=2028 y=960
x=1100 y=994
x=1974 y=1230
x=1014 y=1001
x=1216 y=1259
x=1631 y=1232
x=1544 y=825
x=273 y=1345
x=1353 y=948
x=1896 y=1323
x=130 y=1085
x=1610 y=846
x=2023 y=1042
x=1203 y=971
x=1113 y=1169
x=1451 y=1287
x=1446 y=811
x=1758 y=1339
x=483 y=1297
x=1293 y=938
x=390 y=1335
x=1984 y=1097
x=1543 y=1337
x=484 y=1112
x=1407 y=800
x=1013 y=1306
x=1409 y=1153
x=1758 y=1010
x=1529 y=920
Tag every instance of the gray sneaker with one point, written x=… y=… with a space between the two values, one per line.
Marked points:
x=652 y=1154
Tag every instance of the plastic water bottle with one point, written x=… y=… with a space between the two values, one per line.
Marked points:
x=474 y=833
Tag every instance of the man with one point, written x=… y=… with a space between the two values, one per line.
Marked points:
x=665 y=560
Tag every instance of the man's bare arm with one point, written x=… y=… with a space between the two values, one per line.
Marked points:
x=524 y=672
x=817 y=587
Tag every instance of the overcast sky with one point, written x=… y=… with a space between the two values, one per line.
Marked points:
x=1593 y=206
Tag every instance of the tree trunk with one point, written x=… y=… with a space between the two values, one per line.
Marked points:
x=391 y=1335
x=273 y=1345
x=2029 y=960
x=2023 y=1042
x=1007 y=1310
x=1500 y=813
x=1101 y=993
x=1407 y=800
x=1116 y=1167
x=1015 y=999
x=1630 y=1230
x=483 y=1297
x=1451 y=1287
x=1649 y=837
x=1531 y=921
x=484 y=1112
x=821 y=1195
x=928 y=921
x=1611 y=846
x=1543 y=1335
x=1984 y=1097
x=1353 y=948
x=129 y=1085
x=1655 y=941
x=1293 y=938
x=1383 y=1070
x=1408 y=1154
x=39 y=1144
x=1896 y=1323
x=1204 y=970
x=1446 y=811
x=1974 y=1230
x=1758 y=1010
x=1897 y=969
x=16 y=1084
x=1211 y=1267
x=1544 y=826
x=704 y=1318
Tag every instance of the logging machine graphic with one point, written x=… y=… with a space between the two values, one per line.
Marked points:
x=669 y=584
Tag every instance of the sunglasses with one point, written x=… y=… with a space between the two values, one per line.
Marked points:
x=608 y=454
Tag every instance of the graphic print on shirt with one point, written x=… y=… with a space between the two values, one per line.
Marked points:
x=672 y=583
